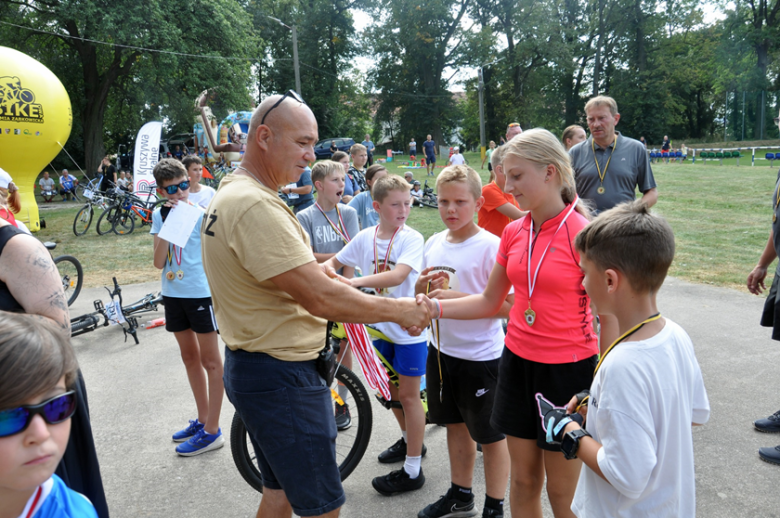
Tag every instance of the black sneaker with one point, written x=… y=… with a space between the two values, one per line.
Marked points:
x=769 y=424
x=770 y=455
x=446 y=506
x=489 y=512
x=397 y=452
x=343 y=419
x=398 y=482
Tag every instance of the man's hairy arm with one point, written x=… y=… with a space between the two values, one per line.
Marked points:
x=32 y=278
x=327 y=298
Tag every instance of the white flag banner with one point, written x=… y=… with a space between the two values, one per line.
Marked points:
x=147 y=154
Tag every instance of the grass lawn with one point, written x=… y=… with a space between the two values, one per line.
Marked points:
x=721 y=216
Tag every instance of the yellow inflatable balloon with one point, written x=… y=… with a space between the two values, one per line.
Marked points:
x=35 y=123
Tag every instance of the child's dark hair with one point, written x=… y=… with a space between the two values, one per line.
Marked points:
x=168 y=169
x=191 y=159
x=373 y=170
x=34 y=355
x=338 y=156
x=631 y=240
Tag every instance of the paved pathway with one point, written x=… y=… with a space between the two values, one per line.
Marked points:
x=138 y=396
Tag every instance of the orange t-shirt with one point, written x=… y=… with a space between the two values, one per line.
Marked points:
x=488 y=217
x=562 y=331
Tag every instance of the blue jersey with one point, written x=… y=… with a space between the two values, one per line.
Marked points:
x=188 y=261
x=429 y=146
x=53 y=499
x=364 y=205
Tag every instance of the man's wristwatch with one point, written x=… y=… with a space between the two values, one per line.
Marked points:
x=571 y=442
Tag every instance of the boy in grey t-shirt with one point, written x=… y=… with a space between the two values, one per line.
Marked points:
x=331 y=226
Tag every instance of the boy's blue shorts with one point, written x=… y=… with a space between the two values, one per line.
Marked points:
x=408 y=359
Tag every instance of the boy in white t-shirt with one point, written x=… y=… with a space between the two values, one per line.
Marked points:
x=457 y=158
x=200 y=195
x=390 y=258
x=463 y=355
x=647 y=389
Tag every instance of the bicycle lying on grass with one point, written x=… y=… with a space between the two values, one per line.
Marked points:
x=351 y=444
x=428 y=197
x=114 y=313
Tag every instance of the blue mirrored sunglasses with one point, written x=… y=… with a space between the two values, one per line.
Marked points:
x=54 y=411
x=171 y=189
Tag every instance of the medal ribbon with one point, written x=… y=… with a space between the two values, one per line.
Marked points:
x=342 y=232
x=373 y=371
x=389 y=249
x=598 y=167
x=531 y=285
x=624 y=336
x=178 y=259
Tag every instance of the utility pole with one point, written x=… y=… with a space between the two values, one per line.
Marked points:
x=295 y=60
x=482 y=145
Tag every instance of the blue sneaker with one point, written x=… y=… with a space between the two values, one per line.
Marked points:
x=192 y=429
x=201 y=442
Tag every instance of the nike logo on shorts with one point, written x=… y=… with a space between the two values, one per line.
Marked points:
x=482 y=392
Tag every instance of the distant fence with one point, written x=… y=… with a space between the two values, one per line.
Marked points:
x=718 y=154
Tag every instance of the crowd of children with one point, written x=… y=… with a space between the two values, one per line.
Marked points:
x=537 y=400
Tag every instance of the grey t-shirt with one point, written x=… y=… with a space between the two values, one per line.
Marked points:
x=324 y=239
x=628 y=169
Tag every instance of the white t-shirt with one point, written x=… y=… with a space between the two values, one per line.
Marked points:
x=416 y=194
x=457 y=159
x=407 y=249
x=643 y=400
x=468 y=265
x=203 y=197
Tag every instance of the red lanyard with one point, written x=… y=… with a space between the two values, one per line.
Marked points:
x=342 y=232
x=38 y=492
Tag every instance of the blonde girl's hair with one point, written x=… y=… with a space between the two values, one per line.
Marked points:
x=542 y=148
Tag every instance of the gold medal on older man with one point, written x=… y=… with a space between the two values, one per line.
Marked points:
x=600 y=190
x=180 y=275
x=774 y=218
x=169 y=275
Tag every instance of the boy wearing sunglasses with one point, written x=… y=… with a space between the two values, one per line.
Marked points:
x=37 y=372
x=189 y=314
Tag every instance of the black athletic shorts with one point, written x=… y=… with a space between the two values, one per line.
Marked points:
x=516 y=412
x=771 y=315
x=469 y=391
x=195 y=314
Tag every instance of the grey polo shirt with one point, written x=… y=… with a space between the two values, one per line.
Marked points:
x=776 y=217
x=628 y=169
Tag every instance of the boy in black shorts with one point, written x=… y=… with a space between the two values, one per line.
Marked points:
x=463 y=355
x=189 y=314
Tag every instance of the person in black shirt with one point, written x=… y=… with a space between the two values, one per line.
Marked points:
x=108 y=171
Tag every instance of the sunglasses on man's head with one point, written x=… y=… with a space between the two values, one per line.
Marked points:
x=171 y=189
x=291 y=94
x=54 y=411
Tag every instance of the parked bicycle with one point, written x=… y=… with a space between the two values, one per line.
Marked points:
x=71 y=272
x=218 y=172
x=95 y=200
x=114 y=313
x=351 y=444
x=133 y=208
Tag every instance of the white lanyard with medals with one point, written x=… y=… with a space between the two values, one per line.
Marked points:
x=385 y=265
x=530 y=314
x=342 y=232
x=180 y=273
x=603 y=175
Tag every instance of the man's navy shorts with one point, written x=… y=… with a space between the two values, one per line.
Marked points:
x=288 y=412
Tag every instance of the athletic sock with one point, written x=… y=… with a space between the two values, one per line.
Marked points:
x=343 y=392
x=403 y=434
x=494 y=503
x=463 y=494
x=412 y=466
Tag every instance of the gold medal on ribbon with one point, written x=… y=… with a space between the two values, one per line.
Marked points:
x=530 y=316
x=169 y=275
x=774 y=218
x=600 y=190
x=180 y=275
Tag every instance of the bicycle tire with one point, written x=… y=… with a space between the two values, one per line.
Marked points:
x=429 y=203
x=71 y=286
x=124 y=222
x=105 y=223
x=351 y=443
x=80 y=325
x=83 y=220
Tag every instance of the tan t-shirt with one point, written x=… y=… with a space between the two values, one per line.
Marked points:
x=249 y=236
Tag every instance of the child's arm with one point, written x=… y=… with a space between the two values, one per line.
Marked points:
x=384 y=279
x=332 y=262
x=588 y=451
x=755 y=281
x=485 y=305
x=321 y=258
x=506 y=306
x=160 y=252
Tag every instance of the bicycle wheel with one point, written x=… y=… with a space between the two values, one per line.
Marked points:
x=83 y=220
x=430 y=203
x=72 y=275
x=351 y=443
x=124 y=222
x=105 y=222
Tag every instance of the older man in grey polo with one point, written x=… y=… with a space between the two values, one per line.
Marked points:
x=608 y=167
